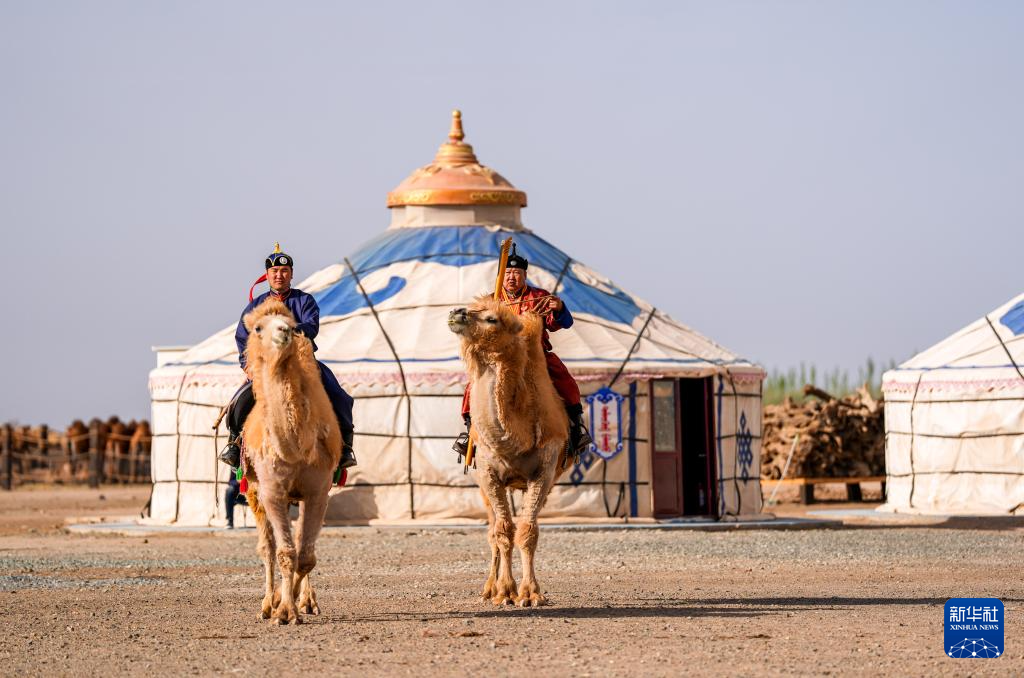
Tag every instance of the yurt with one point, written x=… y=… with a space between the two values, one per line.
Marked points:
x=954 y=421
x=676 y=417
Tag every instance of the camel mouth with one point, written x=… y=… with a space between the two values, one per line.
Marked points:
x=282 y=337
x=458 y=320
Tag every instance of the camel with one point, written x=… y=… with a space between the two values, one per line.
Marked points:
x=520 y=429
x=140 y=447
x=292 y=445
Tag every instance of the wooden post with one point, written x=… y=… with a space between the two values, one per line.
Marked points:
x=853 y=492
x=807 y=493
x=133 y=455
x=7 y=458
x=95 y=455
x=44 y=451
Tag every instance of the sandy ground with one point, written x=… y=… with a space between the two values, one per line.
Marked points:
x=400 y=601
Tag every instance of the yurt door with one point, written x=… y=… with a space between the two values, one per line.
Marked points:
x=666 y=449
x=697 y=435
x=682 y=440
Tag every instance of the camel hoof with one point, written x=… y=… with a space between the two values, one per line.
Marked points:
x=286 y=615
x=532 y=600
x=309 y=608
x=530 y=595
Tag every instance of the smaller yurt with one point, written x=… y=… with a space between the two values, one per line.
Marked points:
x=954 y=421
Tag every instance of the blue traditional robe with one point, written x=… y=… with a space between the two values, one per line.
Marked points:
x=307 y=314
x=302 y=305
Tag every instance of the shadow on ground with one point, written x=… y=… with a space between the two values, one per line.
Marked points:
x=659 y=608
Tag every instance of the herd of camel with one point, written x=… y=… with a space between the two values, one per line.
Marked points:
x=293 y=445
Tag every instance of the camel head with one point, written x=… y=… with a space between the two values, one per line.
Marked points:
x=271 y=332
x=487 y=325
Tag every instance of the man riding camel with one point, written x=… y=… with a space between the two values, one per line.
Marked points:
x=520 y=298
x=307 y=314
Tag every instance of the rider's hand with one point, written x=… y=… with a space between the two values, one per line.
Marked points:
x=555 y=304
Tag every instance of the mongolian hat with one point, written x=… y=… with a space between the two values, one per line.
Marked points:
x=516 y=261
x=278 y=258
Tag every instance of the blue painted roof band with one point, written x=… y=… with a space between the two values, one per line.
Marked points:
x=459 y=246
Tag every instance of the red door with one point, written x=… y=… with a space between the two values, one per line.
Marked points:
x=666 y=449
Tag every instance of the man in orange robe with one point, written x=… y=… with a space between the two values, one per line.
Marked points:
x=521 y=298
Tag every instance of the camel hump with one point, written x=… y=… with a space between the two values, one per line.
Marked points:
x=270 y=306
x=533 y=325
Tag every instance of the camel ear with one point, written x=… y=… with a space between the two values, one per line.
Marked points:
x=249 y=320
x=514 y=324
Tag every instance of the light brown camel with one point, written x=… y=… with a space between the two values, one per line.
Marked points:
x=292 y=445
x=520 y=430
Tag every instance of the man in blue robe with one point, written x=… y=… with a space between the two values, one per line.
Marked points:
x=307 y=314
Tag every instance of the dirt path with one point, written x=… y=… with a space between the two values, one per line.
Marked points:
x=403 y=601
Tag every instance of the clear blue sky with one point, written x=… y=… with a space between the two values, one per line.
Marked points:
x=802 y=181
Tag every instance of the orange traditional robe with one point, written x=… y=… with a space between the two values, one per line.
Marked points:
x=531 y=299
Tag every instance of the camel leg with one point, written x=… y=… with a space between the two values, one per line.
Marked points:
x=277 y=514
x=526 y=538
x=491 y=587
x=307 y=597
x=504 y=591
x=265 y=547
x=311 y=519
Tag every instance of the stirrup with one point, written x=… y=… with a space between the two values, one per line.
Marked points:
x=583 y=442
x=231 y=454
x=348 y=458
x=461 y=445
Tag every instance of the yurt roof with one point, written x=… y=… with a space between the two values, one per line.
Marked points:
x=391 y=297
x=456 y=177
x=988 y=352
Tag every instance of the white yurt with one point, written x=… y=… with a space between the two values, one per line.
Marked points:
x=676 y=417
x=954 y=421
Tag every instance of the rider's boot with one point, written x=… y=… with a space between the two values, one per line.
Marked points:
x=461 y=444
x=348 y=456
x=579 y=436
x=232 y=452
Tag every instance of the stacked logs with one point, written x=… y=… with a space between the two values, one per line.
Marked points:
x=839 y=437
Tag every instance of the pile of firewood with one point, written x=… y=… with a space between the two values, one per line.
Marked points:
x=839 y=437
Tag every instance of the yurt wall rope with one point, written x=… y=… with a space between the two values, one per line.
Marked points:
x=1005 y=348
x=405 y=386
x=913 y=403
x=632 y=349
x=561 y=274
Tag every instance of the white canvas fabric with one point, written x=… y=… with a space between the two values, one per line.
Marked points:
x=954 y=420
x=387 y=305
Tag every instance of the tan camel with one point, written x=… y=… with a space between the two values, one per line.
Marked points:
x=520 y=429
x=292 y=444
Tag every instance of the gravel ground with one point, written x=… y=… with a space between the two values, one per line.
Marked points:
x=402 y=601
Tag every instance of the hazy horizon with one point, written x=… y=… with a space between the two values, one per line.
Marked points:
x=802 y=182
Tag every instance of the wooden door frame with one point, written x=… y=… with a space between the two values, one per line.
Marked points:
x=711 y=427
x=678 y=444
